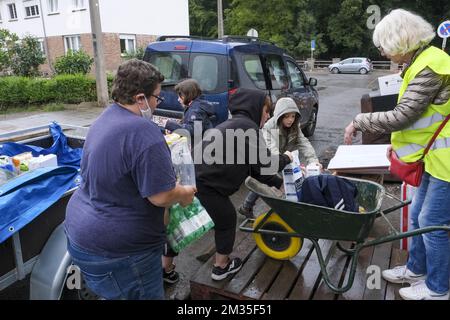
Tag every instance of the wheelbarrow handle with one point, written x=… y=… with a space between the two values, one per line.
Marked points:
x=395 y=207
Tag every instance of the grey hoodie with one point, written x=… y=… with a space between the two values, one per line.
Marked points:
x=278 y=142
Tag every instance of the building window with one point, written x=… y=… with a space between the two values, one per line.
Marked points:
x=78 y=4
x=42 y=46
x=12 y=11
x=72 y=43
x=127 y=44
x=32 y=11
x=52 y=6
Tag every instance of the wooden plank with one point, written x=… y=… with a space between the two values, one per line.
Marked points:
x=246 y=274
x=335 y=268
x=263 y=279
x=306 y=282
x=381 y=258
x=398 y=258
x=244 y=244
x=356 y=292
x=289 y=273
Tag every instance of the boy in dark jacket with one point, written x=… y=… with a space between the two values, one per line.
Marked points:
x=220 y=174
x=195 y=109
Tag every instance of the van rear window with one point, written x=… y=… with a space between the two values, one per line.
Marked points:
x=171 y=65
x=254 y=69
x=210 y=70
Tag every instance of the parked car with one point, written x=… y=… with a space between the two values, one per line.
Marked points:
x=352 y=65
x=223 y=65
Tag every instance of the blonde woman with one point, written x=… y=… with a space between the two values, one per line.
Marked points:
x=423 y=105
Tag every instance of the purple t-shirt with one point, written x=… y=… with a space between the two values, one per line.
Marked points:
x=125 y=160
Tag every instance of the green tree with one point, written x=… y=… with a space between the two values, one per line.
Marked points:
x=136 y=54
x=27 y=57
x=203 y=17
x=7 y=43
x=348 y=27
x=285 y=22
x=78 y=62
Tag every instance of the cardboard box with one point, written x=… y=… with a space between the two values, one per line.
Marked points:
x=390 y=84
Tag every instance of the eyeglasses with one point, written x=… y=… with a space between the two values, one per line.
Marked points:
x=159 y=99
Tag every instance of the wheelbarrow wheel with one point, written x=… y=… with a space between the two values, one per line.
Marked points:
x=276 y=246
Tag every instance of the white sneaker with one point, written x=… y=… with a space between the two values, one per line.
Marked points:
x=401 y=274
x=420 y=291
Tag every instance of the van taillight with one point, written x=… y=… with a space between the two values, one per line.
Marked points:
x=180 y=47
x=232 y=91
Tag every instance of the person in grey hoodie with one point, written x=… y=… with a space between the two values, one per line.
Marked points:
x=283 y=133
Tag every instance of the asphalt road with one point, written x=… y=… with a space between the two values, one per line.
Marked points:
x=339 y=102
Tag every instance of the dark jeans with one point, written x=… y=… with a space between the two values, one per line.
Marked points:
x=135 y=277
x=223 y=214
x=430 y=252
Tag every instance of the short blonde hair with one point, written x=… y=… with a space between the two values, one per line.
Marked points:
x=401 y=32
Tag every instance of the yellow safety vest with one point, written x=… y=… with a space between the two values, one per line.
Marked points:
x=410 y=143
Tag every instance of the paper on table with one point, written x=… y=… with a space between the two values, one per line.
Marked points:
x=360 y=156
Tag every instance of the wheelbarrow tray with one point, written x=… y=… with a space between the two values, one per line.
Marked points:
x=312 y=221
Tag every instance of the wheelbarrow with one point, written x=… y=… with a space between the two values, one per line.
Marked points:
x=280 y=232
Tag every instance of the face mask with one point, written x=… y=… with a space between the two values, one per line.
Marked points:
x=147 y=113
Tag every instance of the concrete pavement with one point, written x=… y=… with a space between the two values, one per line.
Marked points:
x=82 y=115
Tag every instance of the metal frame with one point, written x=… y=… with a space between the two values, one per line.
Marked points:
x=22 y=268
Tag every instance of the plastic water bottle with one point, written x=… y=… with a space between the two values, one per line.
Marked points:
x=183 y=163
x=6 y=175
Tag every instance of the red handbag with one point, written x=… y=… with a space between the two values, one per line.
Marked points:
x=411 y=172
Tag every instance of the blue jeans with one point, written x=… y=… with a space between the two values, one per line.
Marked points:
x=430 y=252
x=135 y=277
x=250 y=200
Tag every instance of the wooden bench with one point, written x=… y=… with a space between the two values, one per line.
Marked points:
x=300 y=278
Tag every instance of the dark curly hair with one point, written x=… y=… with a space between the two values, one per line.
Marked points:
x=134 y=77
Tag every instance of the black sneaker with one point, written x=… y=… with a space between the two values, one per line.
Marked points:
x=171 y=277
x=247 y=212
x=233 y=266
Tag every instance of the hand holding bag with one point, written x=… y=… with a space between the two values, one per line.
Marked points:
x=412 y=172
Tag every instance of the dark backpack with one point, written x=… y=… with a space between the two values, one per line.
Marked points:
x=330 y=191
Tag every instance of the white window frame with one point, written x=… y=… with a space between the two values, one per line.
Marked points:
x=52 y=6
x=78 y=5
x=36 y=11
x=12 y=5
x=42 y=46
x=77 y=43
x=128 y=37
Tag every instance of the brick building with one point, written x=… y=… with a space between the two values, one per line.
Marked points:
x=62 y=25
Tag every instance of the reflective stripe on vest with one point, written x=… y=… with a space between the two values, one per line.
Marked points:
x=426 y=122
x=410 y=143
x=413 y=147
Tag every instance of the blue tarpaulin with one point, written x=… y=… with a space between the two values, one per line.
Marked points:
x=25 y=197
x=66 y=155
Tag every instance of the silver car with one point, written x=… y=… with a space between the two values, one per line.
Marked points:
x=352 y=65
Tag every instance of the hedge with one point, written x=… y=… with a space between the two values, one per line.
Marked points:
x=22 y=91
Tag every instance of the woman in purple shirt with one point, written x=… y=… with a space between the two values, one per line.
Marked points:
x=115 y=220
